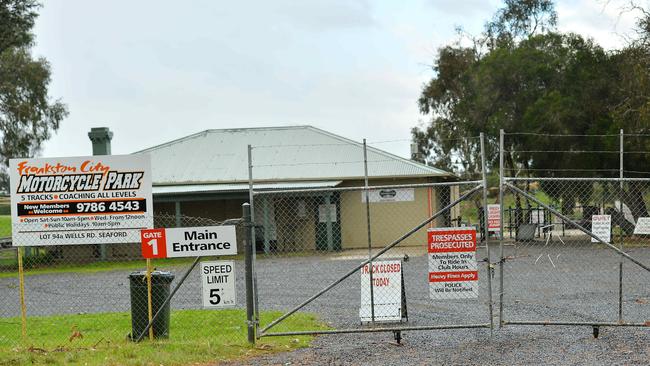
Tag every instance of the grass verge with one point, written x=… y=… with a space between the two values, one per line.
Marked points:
x=8 y=258
x=5 y=225
x=100 y=267
x=197 y=336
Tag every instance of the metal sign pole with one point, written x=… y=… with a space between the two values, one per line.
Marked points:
x=501 y=233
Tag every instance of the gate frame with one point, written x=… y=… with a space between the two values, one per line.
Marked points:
x=505 y=183
x=254 y=324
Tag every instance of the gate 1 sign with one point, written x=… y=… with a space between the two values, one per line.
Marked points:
x=218 y=283
x=453 y=272
x=386 y=289
x=189 y=242
x=601 y=226
x=80 y=200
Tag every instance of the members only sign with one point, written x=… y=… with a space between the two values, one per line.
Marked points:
x=453 y=272
x=80 y=200
x=189 y=242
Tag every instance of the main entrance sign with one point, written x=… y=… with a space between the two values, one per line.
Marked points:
x=189 y=242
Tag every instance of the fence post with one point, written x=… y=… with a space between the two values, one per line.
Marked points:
x=248 y=250
x=365 y=175
x=486 y=230
x=251 y=201
x=501 y=234
x=620 y=229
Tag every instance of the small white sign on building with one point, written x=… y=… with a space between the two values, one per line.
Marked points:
x=387 y=291
x=601 y=226
x=327 y=212
x=389 y=195
x=218 y=283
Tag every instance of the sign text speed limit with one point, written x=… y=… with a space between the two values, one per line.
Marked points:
x=218 y=282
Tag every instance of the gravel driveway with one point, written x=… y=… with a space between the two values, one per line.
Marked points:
x=541 y=283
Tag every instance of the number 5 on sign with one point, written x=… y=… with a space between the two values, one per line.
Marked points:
x=154 y=244
x=215 y=299
x=218 y=283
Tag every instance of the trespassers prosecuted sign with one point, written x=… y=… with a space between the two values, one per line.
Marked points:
x=80 y=200
x=453 y=272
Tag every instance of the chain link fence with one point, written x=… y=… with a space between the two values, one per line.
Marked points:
x=357 y=254
x=309 y=239
x=319 y=249
x=576 y=247
x=565 y=274
x=79 y=296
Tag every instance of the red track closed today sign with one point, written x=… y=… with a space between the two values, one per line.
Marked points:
x=453 y=272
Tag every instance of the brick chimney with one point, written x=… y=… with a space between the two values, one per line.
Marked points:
x=101 y=138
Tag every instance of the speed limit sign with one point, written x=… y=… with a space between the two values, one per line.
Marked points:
x=218 y=282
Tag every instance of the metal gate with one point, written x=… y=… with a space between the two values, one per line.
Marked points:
x=579 y=250
x=315 y=247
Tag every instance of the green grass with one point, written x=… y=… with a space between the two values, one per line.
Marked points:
x=8 y=257
x=97 y=266
x=469 y=213
x=196 y=336
x=5 y=225
x=5 y=206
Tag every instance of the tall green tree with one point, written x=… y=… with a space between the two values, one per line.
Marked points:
x=486 y=87
x=525 y=77
x=28 y=116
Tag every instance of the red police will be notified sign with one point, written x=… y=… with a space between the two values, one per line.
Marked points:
x=453 y=271
x=189 y=242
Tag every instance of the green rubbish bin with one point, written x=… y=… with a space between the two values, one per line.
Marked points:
x=160 y=284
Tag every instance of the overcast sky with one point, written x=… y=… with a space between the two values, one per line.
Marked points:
x=154 y=71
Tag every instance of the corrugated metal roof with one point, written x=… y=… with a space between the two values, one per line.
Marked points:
x=279 y=154
x=239 y=187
